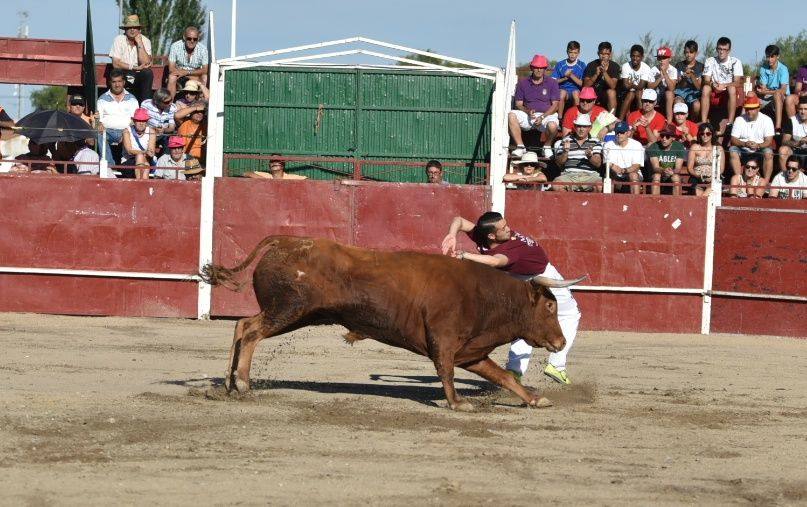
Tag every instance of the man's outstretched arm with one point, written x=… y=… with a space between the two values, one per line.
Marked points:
x=458 y=224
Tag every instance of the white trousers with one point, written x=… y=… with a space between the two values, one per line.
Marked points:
x=518 y=359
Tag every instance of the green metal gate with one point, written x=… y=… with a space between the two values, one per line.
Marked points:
x=405 y=115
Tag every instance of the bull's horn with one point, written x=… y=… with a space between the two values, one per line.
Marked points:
x=556 y=284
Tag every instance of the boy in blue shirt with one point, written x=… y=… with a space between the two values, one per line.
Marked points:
x=773 y=84
x=569 y=75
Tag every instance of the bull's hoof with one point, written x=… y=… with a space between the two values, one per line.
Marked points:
x=241 y=385
x=540 y=402
x=463 y=406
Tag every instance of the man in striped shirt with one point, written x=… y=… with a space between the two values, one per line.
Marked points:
x=580 y=156
x=187 y=59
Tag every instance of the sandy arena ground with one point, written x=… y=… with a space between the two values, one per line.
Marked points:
x=130 y=411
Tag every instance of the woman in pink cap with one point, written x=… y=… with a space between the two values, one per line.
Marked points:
x=139 y=144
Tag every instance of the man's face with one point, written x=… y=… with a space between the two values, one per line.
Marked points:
x=116 y=85
x=648 y=105
x=76 y=109
x=690 y=55
x=803 y=112
x=131 y=33
x=581 y=131
x=528 y=169
x=163 y=105
x=792 y=171
x=586 y=105
x=636 y=58
x=140 y=125
x=572 y=54
x=191 y=38
x=176 y=153
x=277 y=169
x=752 y=113
x=622 y=138
x=502 y=232
x=723 y=52
x=680 y=118
x=197 y=116
x=605 y=55
x=665 y=140
x=773 y=60
x=538 y=72
x=434 y=174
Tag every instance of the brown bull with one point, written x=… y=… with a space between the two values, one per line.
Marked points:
x=454 y=312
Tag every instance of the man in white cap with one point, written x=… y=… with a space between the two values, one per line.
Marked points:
x=580 y=156
x=131 y=52
x=647 y=122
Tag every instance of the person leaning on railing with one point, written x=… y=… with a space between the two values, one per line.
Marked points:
x=35 y=161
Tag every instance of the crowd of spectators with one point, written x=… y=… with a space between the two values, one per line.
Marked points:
x=658 y=127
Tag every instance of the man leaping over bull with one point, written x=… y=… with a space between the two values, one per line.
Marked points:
x=522 y=257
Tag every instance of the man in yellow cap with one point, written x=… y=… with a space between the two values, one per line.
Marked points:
x=131 y=52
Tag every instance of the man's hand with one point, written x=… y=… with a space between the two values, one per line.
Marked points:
x=567 y=73
x=752 y=145
x=449 y=246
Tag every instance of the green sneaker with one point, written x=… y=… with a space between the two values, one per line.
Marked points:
x=556 y=374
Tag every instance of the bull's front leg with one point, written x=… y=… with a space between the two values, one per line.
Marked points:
x=444 y=363
x=492 y=372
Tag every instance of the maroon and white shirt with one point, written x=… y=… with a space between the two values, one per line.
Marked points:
x=524 y=255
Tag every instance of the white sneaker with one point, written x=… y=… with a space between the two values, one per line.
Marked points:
x=519 y=151
x=547 y=152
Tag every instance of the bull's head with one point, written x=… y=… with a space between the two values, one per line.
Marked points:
x=547 y=331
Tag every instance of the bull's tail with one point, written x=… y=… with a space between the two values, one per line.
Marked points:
x=232 y=278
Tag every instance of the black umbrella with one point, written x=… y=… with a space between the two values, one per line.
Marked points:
x=53 y=126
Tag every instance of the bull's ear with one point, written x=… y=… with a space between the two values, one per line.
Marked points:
x=551 y=306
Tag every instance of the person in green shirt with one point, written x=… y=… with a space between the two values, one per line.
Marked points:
x=666 y=160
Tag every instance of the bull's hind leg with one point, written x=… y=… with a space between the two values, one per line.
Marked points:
x=248 y=332
x=492 y=372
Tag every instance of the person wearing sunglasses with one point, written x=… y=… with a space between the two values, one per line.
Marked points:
x=750 y=183
x=666 y=160
x=187 y=59
x=793 y=177
x=752 y=134
x=699 y=161
x=587 y=106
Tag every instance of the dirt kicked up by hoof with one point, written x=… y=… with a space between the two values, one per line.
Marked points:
x=541 y=403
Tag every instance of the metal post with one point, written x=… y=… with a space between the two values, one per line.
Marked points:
x=103 y=165
x=233 y=23
x=607 y=187
x=713 y=202
x=205 y=292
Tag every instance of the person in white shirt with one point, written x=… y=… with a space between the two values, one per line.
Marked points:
x=664 y=78
x=626 y=158
x=791 y=176
x=794 y=134
x=176 y=158
x=721 y=74
x=131 y=53
x=89 y=158
x=752 y=134
x=635 y=75
x=115 y=110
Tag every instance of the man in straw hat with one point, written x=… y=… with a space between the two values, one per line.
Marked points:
x=131 y=52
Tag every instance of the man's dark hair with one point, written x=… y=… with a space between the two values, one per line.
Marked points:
x=691 y=45
x=434 y=163
x=486 y=224
x=724 y=41
x=705 y=126
x=794 y=158
x=116 y=73
x=573 y=44
x=605 y=45
x=637 y=48
x=771 y=50
x=803 y=99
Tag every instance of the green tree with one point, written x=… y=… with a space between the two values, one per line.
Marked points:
x=49 y=97
x=792 y=51
x=164 y=21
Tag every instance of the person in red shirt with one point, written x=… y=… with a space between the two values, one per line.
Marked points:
x=647 y=122
x=686 y=131
x=522 y=257
x=587 y=106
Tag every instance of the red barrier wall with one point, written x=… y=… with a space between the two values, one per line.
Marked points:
x=621 y=240
x=391 y=216
x=760 y=252
x=108 y=225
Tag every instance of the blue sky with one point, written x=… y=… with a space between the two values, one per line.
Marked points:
x=470 y=29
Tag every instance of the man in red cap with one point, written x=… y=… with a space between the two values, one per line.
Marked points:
x=537 y=102
x=170 y=166
x=664 y=78
x=751 y=136
x=587 y=106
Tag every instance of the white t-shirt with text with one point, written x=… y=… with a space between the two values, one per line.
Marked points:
x=722 y=72
x=633 y=75
x=780 y=181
